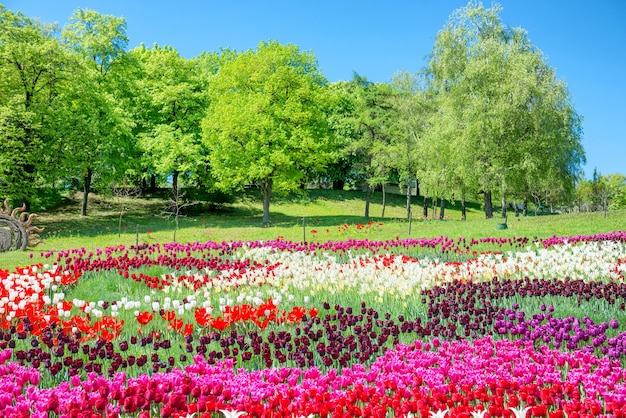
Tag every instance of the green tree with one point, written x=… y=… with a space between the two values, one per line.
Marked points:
x=505 y=106
x=102 y=142
x=602 y=192
x=175 y=103
x=33 y=73
x=617 y=190
x=345 y=127
x=371 y=119
x=412 y=110
x=266 y=123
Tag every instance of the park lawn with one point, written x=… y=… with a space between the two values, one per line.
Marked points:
x=315 y=215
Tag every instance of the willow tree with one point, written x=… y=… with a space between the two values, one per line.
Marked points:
x=504 y=104
x=266 y=122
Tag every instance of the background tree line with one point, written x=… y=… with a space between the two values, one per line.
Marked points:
x=486 y=118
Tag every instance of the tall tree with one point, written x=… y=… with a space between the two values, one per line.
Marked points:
x=412 y=111
x=33 y=73
x=505 y=104
x=361 y=120
x=266 y=123
x=176 y=101
x=100 y=40
x=372 y=120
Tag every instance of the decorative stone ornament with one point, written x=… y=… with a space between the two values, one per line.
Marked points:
x=16 y=231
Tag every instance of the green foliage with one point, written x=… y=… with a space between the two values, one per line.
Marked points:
x=487 y=114
x=32 y=80
x=97 y=146
x=601 y=192
x=173 y=103
x=265 y=123
x=501 y=104
x=100 y=39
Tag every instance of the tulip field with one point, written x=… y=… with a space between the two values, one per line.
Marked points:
x=441 y=327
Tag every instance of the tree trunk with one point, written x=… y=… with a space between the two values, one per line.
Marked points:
x=86 y=190
x=338 y=184
x=503 y=206
x=434 y=206
x=368 y=196
x=382 y=215
x=425 y=212
x=29 y=173
x=408 y=199
x=175 y=183
x=516 y=209
x=442 y=208
x=152 y=182
x=525 y=209
x=488 y=205
x=463 y=208
x=266 y=188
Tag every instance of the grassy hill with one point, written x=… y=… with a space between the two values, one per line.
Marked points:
x=317 y=215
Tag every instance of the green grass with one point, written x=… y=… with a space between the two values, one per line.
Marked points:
x=333 y=214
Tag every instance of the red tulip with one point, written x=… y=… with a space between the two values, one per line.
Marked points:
x=144 y=318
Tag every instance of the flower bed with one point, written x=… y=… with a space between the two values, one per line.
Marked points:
x=353 y=328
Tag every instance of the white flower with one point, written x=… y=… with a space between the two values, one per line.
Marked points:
x=478 y=414
x=438 y=414
x=519 y=412
x=231 y=413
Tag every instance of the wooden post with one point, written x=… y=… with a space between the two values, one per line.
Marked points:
x=410 y=219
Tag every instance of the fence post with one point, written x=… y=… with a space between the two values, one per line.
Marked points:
x=410 y=219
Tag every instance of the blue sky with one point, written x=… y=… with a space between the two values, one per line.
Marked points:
x=584 y=41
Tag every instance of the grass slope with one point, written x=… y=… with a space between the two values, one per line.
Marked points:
x=326 y=215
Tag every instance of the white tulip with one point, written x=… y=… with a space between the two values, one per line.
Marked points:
x=519 y=412
x=231 y=413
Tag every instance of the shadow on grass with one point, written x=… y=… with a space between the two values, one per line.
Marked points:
x=150 y=212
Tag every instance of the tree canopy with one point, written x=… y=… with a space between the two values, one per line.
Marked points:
x=500 y=102
x=266 y=122
x=96 y=146
x=487 y=116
